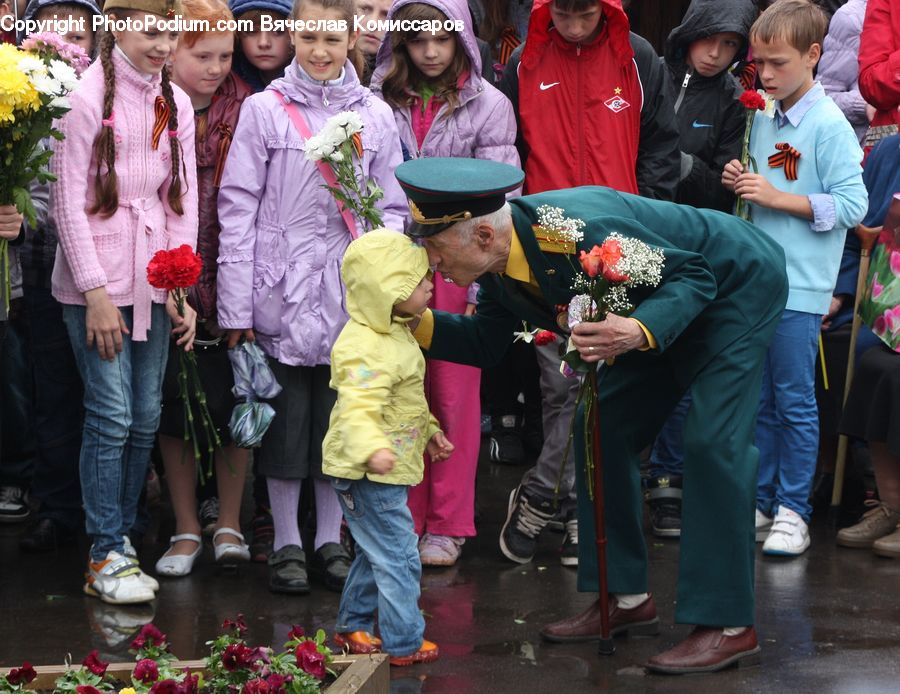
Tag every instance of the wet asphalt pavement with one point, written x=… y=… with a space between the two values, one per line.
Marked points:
x=828 y=621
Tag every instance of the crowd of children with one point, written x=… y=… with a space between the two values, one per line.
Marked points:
x=199 y=139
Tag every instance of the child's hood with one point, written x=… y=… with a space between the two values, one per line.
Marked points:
x=456 y=10
x=706 y=17
x=379 y=269
x=35 y=6
x=540 y=23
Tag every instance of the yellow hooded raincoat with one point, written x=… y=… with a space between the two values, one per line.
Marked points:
x=377 y=367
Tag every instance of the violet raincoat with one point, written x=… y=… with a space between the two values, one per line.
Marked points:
x=282 y=237
x=482 y=127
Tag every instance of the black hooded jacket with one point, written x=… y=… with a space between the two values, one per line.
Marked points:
x=710 y=118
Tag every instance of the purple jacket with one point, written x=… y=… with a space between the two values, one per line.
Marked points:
x=484 y=125
x=839 y=68
x=282 y=238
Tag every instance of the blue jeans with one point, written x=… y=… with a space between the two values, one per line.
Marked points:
x=667 y=454
x=121 y=413
x=386 y=572
x=787 y=430
x=57 y=429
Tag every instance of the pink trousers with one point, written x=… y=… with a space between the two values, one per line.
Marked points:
x=444 y=502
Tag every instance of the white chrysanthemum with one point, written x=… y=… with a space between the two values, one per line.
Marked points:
x=347 y=121
x=336 y=157
x=31 y=65
x=65 y=74
x=61 y=102
x=46 y=85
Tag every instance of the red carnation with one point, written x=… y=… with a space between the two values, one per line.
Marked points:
x=146 y=671
x=177 y=268
x=86 y=689
x=752 y=99
x=94 y=664
x=544 y=337
x=21 y=675
x=310 y=660
x=296 y=632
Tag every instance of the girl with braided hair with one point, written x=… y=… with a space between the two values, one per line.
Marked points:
x=134 y=131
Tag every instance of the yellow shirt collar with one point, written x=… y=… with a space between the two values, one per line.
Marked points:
x=517 y=264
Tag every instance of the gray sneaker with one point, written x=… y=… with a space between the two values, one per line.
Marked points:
x=13 y=504
x=875 y=524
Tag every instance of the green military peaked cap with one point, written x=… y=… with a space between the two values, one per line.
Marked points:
x=445 y=190
x=164 y=8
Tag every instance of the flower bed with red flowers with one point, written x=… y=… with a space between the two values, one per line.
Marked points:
x=302 y=666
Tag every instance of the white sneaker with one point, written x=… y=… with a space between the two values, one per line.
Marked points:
x=131 y=553
x=117 y=580
x=789 y=536
x=763 y=526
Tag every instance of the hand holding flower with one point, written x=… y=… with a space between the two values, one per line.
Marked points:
x=730 y=174
x=608 y=338
x=756 y=189
x=439 y=448
x=184 y=327
x=10 y=222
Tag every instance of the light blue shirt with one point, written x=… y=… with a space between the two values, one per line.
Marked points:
x=822 y=203
x=829 y=174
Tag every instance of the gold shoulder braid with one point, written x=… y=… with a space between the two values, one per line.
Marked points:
x=553 y=240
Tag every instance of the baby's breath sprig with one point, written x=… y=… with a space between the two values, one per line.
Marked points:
x=554 y=219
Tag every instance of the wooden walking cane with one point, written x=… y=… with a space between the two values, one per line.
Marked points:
x=867 y=237
x=606 y=646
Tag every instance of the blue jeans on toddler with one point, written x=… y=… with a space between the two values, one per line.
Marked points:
x=787 y=429
x=121 y=414
x=386 y=572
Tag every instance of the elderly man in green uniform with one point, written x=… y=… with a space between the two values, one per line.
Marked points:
x=706 y=325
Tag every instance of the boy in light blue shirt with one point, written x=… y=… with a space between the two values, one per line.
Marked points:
x=808 y=192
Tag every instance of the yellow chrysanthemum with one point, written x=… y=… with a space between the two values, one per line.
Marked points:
x=16 y=90
x=127 y=690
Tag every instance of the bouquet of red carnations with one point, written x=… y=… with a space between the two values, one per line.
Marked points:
x=177 y=270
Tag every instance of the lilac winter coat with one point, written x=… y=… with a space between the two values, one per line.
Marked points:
x=282 y=237
x=482 y=127
x=839 y=68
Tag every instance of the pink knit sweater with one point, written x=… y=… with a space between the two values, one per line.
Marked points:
x=114 y=252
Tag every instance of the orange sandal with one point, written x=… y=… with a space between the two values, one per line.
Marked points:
x=358 y=642
x=428 y=652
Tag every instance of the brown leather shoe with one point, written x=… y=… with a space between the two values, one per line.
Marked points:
x=638 y=621
x=707 y=649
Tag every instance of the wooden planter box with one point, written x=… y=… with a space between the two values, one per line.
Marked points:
x=359 y=674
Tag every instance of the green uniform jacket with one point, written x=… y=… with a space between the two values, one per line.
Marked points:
x=711 y=259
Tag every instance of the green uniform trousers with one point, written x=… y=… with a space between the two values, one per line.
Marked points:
x=637 y=393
